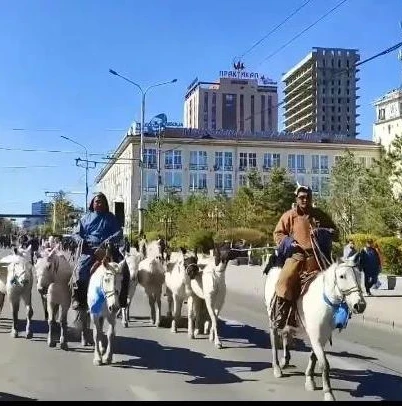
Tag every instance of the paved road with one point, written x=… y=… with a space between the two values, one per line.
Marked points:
x=154 y=364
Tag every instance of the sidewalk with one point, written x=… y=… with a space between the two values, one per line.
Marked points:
x=384 y=308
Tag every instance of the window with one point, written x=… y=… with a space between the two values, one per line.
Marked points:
x=206 y=110
x=363 y=161
x=315 y=184
x=228 y=181
x=324 y=163
x=218 y=181
x=243 y=160
x=263 y=108
x=292 y=161
x=218 y=160
x=242 y=180
x=242 y=112
x=300 y=163
x=323 y=109
x=198 y=181
x=149 y=181
x=150 y=158
x=252 y=160
x=173 y=160
x=228 y=161
x=337 y=158
x=173 y=180
x=198 y=160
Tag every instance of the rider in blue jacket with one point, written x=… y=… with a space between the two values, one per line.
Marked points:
x=96 y=228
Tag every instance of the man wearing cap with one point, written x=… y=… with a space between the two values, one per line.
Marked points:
x=294 y=235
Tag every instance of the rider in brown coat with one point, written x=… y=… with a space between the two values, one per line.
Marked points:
x=294 y=234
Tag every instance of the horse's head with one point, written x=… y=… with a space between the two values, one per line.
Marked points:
x=19 y=270
x=133 y=259
x=44 y=271
x=225 y=252
x=348 y=284
x=111 y=282
x=188 y=262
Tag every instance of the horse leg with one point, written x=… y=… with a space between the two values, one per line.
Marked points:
x=63 y=328
x=52 y=324
x=151 y=300
x=213 y=334
x=310 y=384
x=85 y=322
x=176 y=312
x=124 y=315
x=44 y=304
x=190 y=316
x=284 y=363
x=170 y=301
x=323 y=362
x=198 y=317
x=111 y=318
x=273 y=334
x=97 y=335
x=15 y=307
x=27 y=298
x=102 y=346
x=2 y=296
x=158 y=300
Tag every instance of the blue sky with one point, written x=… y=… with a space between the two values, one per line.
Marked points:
x=55 y=57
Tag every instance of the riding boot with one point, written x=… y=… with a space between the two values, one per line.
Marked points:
x=79 y=300
x=280 y=312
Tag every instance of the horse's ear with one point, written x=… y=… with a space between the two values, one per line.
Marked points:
x=183 y=250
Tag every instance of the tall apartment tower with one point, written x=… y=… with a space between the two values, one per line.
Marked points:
x=233 y=103
x=320 y=92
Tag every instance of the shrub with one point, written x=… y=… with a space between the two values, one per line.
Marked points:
x=337 y=249
x=252 y=236
x=391 y=250
x=176 y=242
x=361 y=239
x=202 y=240
x=153 y=235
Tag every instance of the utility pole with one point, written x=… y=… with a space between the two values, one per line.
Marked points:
x=158 y=162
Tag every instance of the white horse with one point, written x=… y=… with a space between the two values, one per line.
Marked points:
x=210 y=285
x=103 y=302
x=53 y=273
x=178 y=281
x=151 y=276
x=316 y=308
x=19 y=286
x=133 y=259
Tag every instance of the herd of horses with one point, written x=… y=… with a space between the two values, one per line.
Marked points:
x=197 y=279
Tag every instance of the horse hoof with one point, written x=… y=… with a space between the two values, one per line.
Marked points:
x=29 y=335
x=64 y=346
x=97 y=362
x=14 y=333
x=218 y=345
x=310 y=386
x=328 y=396
x=107 y=361
x=277 y=372
x=173 y=330
x=51 y=344
x=125 y=324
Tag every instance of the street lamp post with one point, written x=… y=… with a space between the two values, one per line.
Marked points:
x=86 y=168
x=143 y=93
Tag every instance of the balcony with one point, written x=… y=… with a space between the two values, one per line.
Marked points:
x=198 y=189
x=172 y=188
x=173 y=166
x=198 y=167
x=267 y=168
x=150 y=165
x=228 y=168
x=242 y=168
x=149 y=188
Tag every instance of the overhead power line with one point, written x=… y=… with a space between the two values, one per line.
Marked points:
x=303 y=31
x=275 y=28
x=45 y=150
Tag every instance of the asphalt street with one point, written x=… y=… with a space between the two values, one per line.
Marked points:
x=155 y=364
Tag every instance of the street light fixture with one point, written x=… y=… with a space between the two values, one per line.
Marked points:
x=86 y=168
x=143 y=93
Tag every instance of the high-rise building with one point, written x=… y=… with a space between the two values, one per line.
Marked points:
x=240 y=101
x=388 y=123
x=320 y=92
x=40 y=208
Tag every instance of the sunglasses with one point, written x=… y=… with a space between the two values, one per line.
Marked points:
x=303 y=197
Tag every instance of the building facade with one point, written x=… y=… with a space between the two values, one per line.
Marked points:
x=388 y=123
x=40 y=208
x=321 y=93
x=249 y=105
x=216 y=162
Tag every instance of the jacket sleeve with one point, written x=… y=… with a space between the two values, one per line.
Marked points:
x=78 y=234
x=117 y=235
x=282 y=229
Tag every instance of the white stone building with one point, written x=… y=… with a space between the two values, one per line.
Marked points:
x=214 y=162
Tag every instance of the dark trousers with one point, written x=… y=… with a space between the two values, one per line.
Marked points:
x=369 y=281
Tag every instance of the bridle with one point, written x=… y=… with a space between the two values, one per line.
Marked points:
x=111 y=292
